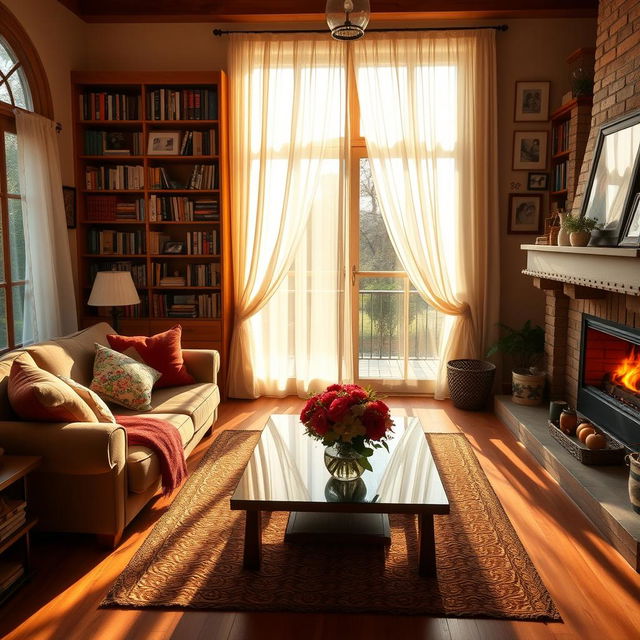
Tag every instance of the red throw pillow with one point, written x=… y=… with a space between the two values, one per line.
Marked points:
x=36 y=394
x=163 y=352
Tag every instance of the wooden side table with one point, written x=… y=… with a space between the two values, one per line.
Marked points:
x=15 y=545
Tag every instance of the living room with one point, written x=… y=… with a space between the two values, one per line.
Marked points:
x=289 y=256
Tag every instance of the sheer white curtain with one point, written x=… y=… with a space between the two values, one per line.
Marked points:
x=428 y=114
x=49 y=301
x=288 y=114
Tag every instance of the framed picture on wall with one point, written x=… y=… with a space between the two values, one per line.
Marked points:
x=69 y=199
x=537 y=181
x=525 y=213
x=530 y=150
x=532 y=101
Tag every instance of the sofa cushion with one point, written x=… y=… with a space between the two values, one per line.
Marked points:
x=121 y=380
x=36 y=394
x=73 y=355
x=162 y=351
x=95 y=402
x=198 y=401
x=143 y=467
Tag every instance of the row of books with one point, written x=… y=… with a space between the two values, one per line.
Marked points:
x=138 y=271
x=182 y=209
x=182 y=104
x=198 y=143
x=111 y=242
x=106 y=105
x=193 y=275
x=120 y=177
x=202 y=177
x=559 y=178
x=560 y=137
x=12 y=516
x=112 y=208
x=113 y=143
x=202 y=242
x=130 y=311
x=206 y=305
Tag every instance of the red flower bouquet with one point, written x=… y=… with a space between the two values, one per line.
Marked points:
x=348 y=416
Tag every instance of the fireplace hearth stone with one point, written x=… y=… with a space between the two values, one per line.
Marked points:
x=601 y=492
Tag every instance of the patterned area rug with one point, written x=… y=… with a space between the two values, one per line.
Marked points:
x=193 y=557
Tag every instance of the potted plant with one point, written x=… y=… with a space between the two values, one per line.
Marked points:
x=579 y=229
x=526 y=348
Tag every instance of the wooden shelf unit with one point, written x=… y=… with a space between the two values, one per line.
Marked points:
x=570 y=125
x=201 y=332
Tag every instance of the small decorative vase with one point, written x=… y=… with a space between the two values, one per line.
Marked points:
x=342 y=462
x=527 y=388
x=580 y=238
x=563 y=234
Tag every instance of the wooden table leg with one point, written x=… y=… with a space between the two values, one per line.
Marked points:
x=427 y=559
x=252 y=540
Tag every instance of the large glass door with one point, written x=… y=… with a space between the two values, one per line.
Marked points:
x=395 y=333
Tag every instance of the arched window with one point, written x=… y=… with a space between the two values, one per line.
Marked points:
x=23 y=84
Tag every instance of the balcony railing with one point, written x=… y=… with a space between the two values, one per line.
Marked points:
x=383 y=326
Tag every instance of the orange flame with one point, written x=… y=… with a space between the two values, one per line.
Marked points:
x=627 y=373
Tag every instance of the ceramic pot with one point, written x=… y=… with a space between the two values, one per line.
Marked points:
x=563 y=234
x=633 y=462
x=580 y=238
x=527 y=388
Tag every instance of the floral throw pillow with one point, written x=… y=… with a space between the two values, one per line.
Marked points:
x=121 y=380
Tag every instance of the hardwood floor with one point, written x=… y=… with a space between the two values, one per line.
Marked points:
x=597 y=592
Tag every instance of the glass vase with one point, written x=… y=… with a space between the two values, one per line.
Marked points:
x=342 y=462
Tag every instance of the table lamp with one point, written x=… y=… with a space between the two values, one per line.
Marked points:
x=113 y=289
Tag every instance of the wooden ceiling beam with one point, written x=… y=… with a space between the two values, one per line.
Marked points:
x=288 y=10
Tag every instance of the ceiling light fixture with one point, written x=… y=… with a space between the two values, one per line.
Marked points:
x=347 y=19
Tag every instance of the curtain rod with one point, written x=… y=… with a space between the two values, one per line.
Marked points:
x=497 y=27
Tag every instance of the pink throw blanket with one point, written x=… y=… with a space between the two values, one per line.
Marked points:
x=163 y=438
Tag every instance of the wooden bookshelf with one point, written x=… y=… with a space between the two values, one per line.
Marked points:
x=179 y=193
x=570 y=125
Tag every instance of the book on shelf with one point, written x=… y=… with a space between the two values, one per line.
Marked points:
x=138 y=271
x=112 y=208
x=182 y=209
x=203 y=275
x=12 y=524
x=182 y=104
x=206 y=305
x=112 y=143
x=10 y=572
x=107 y=105
x=202 y=242
x=111 y=242
x=119 y=177
x=198 y=143
x=202 y=177
x=10 y=507
x=560 y=137
x=157 y=240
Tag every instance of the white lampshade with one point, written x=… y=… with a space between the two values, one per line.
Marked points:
x=113 y=289
x=347 y=19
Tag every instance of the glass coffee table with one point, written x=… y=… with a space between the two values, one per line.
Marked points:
x=286 y=472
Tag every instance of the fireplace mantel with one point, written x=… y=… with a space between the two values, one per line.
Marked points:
x=614 y=269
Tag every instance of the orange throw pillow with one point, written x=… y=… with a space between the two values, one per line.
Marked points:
x=36 y=394
x=163 y=352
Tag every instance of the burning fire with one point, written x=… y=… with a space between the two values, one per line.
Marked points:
x=627 y=373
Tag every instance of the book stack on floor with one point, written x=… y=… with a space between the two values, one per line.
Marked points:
x=12 y=516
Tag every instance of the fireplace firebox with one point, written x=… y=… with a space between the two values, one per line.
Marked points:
x=609 y=382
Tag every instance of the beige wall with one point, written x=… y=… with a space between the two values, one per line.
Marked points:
x=529 y=50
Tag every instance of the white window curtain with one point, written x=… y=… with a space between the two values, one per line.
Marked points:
x=49 y=302
x=428 y=114
x=288 y=151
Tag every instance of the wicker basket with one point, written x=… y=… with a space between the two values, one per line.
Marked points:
x=613 y=454
x=470 y=383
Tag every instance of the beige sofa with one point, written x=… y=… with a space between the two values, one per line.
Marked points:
x=90 y=480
